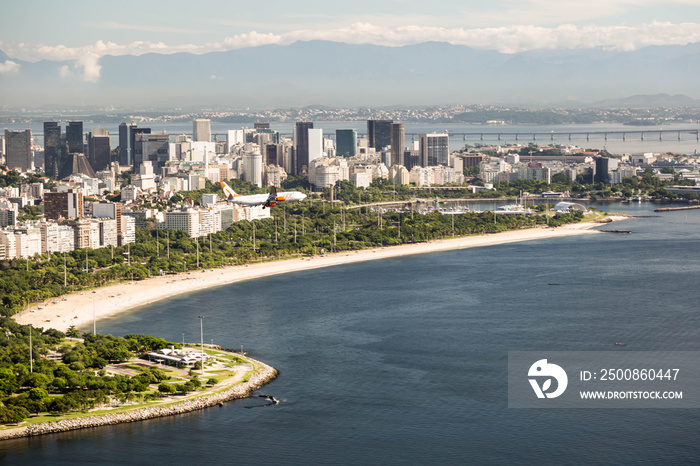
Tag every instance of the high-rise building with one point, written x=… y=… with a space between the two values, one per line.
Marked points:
x=98 y=149
x=74 y=137
x=201 y=130
x=252 y=168
x=18 y=149
x=127 y=142
x=54 y=149
x=411 y=158
x=104 y=209
x=125 y=157
x=345 y=142
x=301 y=146
x=379 y=133
x=315 y=144
x=153 y=148
x=398 y=143
x=603 y=167
x=63 y=205
x=434 y=149
x=261 y=125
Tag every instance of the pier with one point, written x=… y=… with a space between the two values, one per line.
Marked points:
x=673 y=209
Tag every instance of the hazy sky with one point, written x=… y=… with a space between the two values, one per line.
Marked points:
x=85 y=30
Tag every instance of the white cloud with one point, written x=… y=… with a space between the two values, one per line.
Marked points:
x=65 y=72
x=9 y=67
x=506 y=39
x=251 y=39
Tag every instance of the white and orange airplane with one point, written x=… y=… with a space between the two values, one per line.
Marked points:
x=265 y=200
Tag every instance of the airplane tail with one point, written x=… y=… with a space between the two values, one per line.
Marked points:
x=228 y=192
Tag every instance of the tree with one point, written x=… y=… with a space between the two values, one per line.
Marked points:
x=167 y=388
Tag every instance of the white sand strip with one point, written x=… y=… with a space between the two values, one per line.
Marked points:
x=77 y=309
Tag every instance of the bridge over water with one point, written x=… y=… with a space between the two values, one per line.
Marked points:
x=559 y=135
x=525 y=135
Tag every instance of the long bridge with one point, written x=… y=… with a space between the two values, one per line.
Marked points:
x=551 y=135
x=526 y=135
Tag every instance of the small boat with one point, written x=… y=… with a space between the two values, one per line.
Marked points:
x=619 y=343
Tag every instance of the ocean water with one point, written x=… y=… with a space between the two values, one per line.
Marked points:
x=403 y=361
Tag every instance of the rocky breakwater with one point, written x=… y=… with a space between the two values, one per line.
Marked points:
x=241 y=390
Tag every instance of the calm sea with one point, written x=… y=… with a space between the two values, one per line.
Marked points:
x=403 y=361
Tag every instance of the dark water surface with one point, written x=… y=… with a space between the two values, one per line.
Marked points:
x=403 y=361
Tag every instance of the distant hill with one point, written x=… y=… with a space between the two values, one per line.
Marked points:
x=649 y=101
x=337 y=74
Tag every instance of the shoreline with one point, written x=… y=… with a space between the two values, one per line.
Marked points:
x=238 y=391
x=77 y=309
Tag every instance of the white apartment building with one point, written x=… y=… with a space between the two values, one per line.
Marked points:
x=108 y=232
x=56 y=238
x=8 y=249
x=183 y=220
x=399 y=175
x=128 y=230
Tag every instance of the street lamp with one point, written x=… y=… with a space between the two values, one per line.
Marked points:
x=201 y=337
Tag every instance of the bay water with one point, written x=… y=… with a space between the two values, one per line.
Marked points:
x=404 y=360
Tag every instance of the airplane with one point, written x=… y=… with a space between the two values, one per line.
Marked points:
x=265 y=200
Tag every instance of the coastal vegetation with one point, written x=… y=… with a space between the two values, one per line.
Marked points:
x=61 y=375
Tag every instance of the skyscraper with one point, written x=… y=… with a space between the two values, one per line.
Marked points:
x=98 y=149
x=345 y=142
x=127 y=142
x=301 y=145
x=74 y=137
x=398 y=143
x=54 y=149
x=434 y=149
x=18 y=149
x=379 y=133
x=154 y=148
x=201 y=130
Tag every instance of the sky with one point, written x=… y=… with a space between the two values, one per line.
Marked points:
x=84 y=31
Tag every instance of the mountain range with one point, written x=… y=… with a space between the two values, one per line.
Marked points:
x=349 y=75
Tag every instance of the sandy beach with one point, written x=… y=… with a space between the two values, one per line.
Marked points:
x=78 y=308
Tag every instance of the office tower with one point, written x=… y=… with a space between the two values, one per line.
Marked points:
x=315 y=144
x=74 y=137
x=603 y=167
x=98 y=149
x=125 y=157
x=411 y=158
x=253 y=168
x=18 y=149
x=379 y=133
x=201 y=130
x=272 y=154
x=434 y=149
x=55 y=149
x=345 y=142
x=398 y=143
x=63 y=205
x=127 y=142
x=261 y=125
x=301 y=146
x=154 y=148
